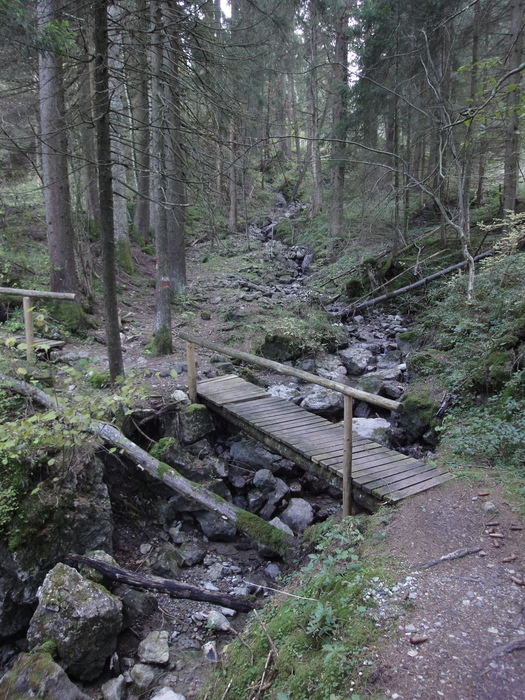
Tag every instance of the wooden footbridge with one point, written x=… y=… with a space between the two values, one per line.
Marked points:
x=367 y=472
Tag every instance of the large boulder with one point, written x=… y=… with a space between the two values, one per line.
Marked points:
x=36 y=675
x=195 y=423
x=323 y=402
x=214 y=527
x=298 y=515
x=72 y=514
x=81 y=617
x=252 y=455
x=356 y=359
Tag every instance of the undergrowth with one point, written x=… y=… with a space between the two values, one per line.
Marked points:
x=314 y=640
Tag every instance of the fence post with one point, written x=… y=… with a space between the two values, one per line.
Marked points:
x=28 y=325
x=192 y=372
x=348 y=500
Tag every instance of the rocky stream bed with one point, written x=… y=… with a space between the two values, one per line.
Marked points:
x=127 y=643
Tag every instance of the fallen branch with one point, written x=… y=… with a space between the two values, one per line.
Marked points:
x=458 y=554
x=515 y=645
x=397 y=292
x=175 y=589
x=253 y=526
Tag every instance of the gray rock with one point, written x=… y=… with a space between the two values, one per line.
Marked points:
x=167 y=694
x=256 y=500
x=278 y=523
x=143 y=676
x=136 y=604
x=251 y=455
x=38 y=676
x=195 y=423
x=217 y=621
x=81 y=617
x=214 y=527
x=115 y=689
x=356 y=359
x=180 y=398
x=264 y=480
x=167 y=562
x=155 y=648
x=190 y=553
x=376 y=429
x=323 y=402
x=272 y=570
x=92 y=574
x=298 y=515
x=201 y=448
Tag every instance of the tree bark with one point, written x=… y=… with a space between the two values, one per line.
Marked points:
x=176 y=589
x=107 y=241
x=256 y=528
x=513 y=136
x=54 y=153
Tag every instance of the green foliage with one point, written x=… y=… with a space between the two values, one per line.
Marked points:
x=322 y=633
x=33 y=444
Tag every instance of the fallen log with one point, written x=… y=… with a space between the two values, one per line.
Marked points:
x=256 y=528
x=176 y=589
x=420 y=283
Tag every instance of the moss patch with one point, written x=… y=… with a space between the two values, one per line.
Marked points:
x=162 y=343
x=263 y=532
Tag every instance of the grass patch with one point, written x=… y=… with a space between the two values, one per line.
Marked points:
x=322 y=637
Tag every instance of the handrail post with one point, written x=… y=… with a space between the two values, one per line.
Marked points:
x=348 y=500
x=192 y=372
x=28 y=325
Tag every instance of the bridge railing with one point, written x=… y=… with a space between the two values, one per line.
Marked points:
x=28 y=295
x=348 y=392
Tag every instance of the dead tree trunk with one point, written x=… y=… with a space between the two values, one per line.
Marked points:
x=256 y=528
x=176 y=589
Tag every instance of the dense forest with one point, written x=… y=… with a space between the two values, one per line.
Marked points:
x=299 y=180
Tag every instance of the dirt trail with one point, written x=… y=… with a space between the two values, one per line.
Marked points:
x=470 y=609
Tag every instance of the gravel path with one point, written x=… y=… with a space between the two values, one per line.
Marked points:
x=468 y=614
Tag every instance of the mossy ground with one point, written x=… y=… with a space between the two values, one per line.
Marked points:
x=320 y=634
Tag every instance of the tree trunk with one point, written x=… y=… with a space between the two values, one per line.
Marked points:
x=107 y=241
x=313 y=110
x=119 y=109
x=514 y=107
x=162 y=343
x=54 y=152
x=339 y=122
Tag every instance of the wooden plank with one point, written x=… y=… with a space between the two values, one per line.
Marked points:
x=284 y=417
x=362 y=456
x=405 y=483
x=395 y=496
x=219 y=389
x=393 y=481
x=232 y=395
x=299 y=436
x=396 y=465
x=220 y=378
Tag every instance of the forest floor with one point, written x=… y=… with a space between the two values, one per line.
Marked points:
x=468 y=614
x=470 y=610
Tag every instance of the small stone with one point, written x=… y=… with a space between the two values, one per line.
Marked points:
x=114 y=689
x=210 y=652
x=217 y=621
x=489 y=507
x=167 y=694
x=154 y=649
x=145 y=548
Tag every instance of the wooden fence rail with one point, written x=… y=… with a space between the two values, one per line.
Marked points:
x=28 y=295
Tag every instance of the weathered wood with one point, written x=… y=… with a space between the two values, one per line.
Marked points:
x=317 y=446
x=458 y=554
x=37 y=294
x=293 y=372
x=176 y=589
x=250 y=524
x=348 y=505
x=192 y=372
x=28 y=325
x=397 y=292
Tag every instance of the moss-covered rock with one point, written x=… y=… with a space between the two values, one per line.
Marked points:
x=420 y=407
x=195 y=423
x=81 y=617
x=424 y=363
x=36 y=675
x=492 y=371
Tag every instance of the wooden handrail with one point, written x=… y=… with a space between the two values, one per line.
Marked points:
x=28 y=295
x=389 y=404
x=35 y=293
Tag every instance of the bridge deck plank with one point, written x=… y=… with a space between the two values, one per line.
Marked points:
x=385 y=474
